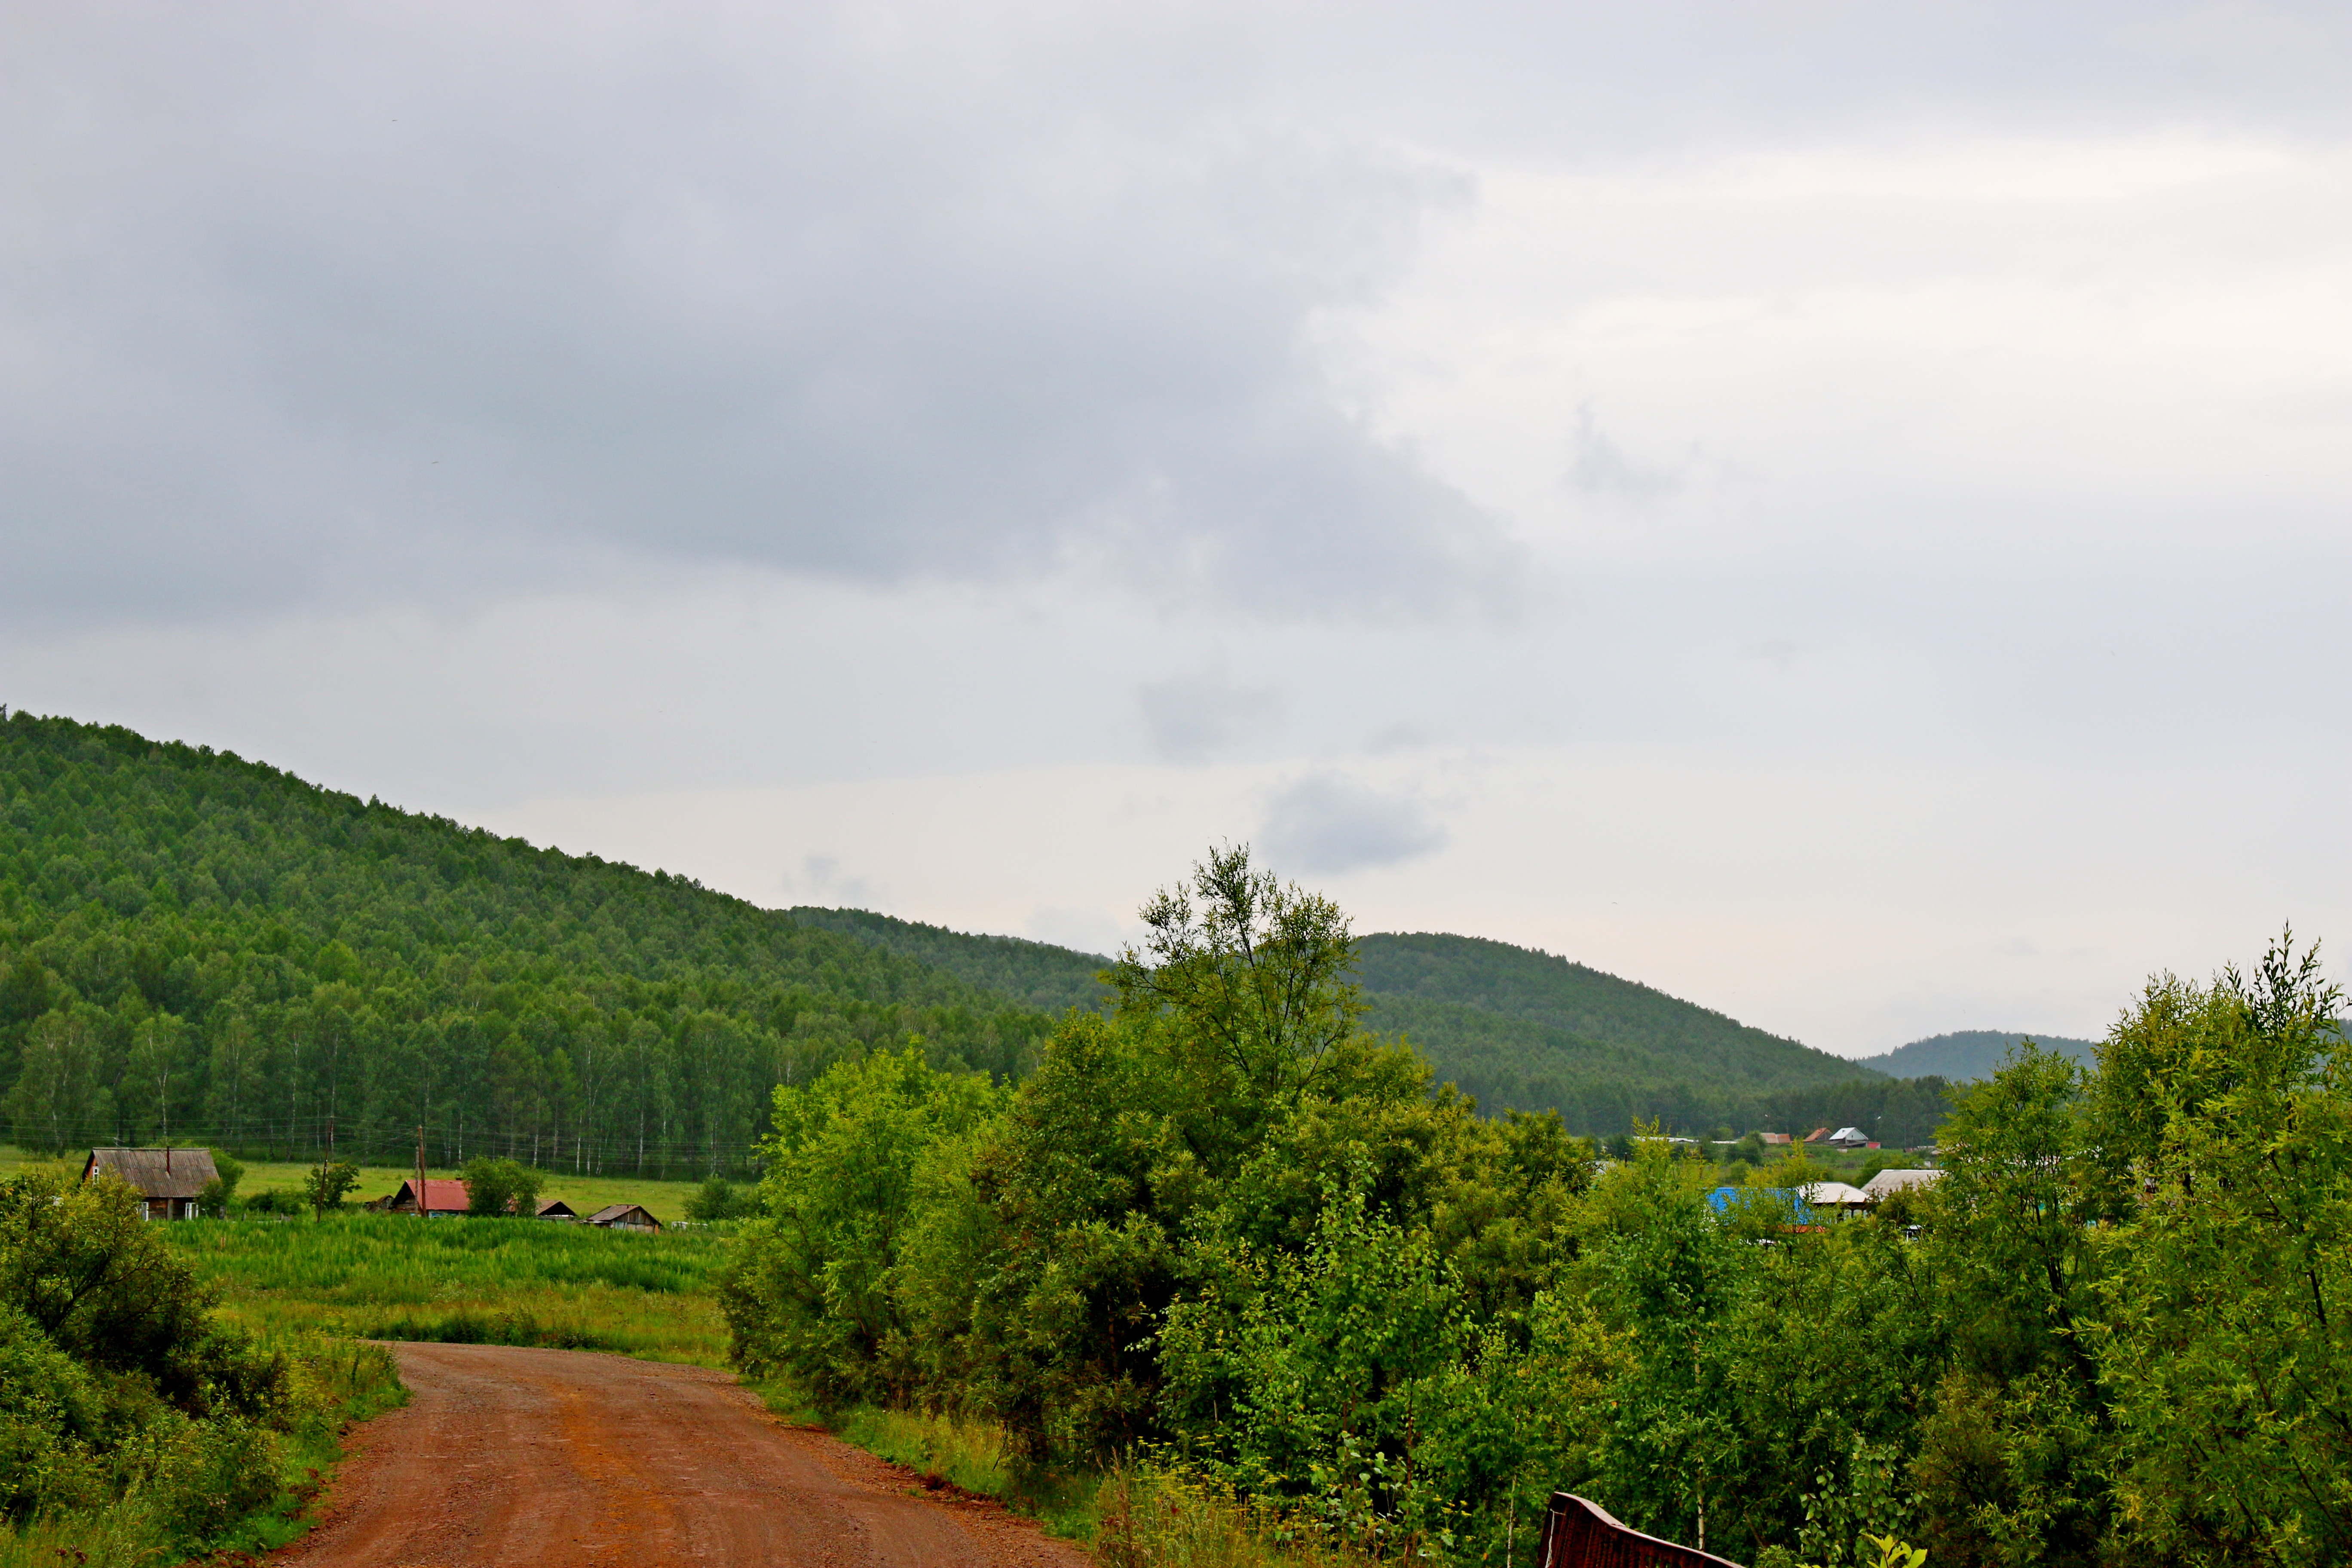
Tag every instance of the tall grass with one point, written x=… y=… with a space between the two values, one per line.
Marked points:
x=504 y=1281
x=1148 y=1517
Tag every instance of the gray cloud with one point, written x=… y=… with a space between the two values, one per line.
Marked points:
x=1329 y=824
x=1192 y=718
x=821 y=880
x=1599 y=467
x=360 y=300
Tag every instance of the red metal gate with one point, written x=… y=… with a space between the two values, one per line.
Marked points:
x=1580 y=1534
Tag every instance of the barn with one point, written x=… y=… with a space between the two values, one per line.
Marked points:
x=624 y=1216
x=169 y=1180
x=442 y=1199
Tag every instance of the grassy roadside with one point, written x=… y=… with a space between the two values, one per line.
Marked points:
x=336 y=1386
x=99 y=1466
x=1139 y=1515
x=970 y=1456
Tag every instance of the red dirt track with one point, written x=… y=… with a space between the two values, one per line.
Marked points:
x=529 y=1458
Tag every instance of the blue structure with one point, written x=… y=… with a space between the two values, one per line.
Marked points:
x=1722 y=1200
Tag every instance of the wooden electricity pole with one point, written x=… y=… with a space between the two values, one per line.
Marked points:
x=420 y=1171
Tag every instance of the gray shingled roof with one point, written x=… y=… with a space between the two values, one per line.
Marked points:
x=156 y=1173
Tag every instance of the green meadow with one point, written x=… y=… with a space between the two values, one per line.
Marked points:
x=496 y=1281
x=666 y=1201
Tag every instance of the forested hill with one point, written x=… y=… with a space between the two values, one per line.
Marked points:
x=1582 y=1004
x=196 y=946
x=1972 y=1053
x=1517 y=1029
x=1523 y=1029
x=206 y=948
x=1035 y=973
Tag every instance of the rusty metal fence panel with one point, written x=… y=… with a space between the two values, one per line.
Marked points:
x=1581 y=1534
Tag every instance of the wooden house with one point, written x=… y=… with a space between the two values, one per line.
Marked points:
x=442 y=1199
x=1837 y=1197
x=168 y=1180
x=1887 y=1184
x=556 y=1208
x=624 y=1216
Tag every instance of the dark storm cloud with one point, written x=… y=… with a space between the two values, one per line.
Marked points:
x=317 y=300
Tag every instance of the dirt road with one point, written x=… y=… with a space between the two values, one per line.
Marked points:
x=533 y=1459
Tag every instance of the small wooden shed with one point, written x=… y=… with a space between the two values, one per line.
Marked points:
x=556 y=1208
x=624 y=1216
x=169 y=1180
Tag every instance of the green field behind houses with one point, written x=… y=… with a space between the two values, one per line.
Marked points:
x=386 y=1276
x=498 y=1281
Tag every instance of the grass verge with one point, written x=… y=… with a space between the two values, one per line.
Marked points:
x=1131 y=1516
x=950 y=1451
x=335 y=1385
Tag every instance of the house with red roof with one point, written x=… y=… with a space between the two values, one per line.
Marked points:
x=443 y=1198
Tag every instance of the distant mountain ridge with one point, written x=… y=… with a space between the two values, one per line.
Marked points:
x=1515 y=1027
x=1968 y=1054
x=1591 y=1005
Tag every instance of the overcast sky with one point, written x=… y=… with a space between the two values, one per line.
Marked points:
x=1837 y=510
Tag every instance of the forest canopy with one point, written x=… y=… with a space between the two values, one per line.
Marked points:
x=195 y=946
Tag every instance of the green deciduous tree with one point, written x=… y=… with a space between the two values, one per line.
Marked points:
x=2226 y=1341
x=500 y=1188
x=812 y=1291
x=327 y=1182
x=58 y=1099
x=1253 y=970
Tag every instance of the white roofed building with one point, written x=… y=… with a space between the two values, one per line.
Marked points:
x=1890 y=1182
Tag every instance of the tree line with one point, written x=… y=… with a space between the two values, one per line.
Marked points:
x=1227 y=1230
x=196 y=948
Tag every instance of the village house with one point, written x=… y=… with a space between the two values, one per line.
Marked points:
x=444 y=1198
x=169 y=1180
x=556 y=1208
x=1837 y=1197
x=1888 y=1182
x=624 y=1216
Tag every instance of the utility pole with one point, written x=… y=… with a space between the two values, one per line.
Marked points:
x=420 y=1171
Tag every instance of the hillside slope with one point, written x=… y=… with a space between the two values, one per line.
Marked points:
x=1033 y=974
x=1968 y=1054
x=195 y=945
x=1516 y=1028
x=1675 y=1038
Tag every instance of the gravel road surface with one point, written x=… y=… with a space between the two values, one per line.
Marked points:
x=507 y=1458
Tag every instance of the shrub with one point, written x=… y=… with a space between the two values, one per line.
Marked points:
x=500 y=1189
